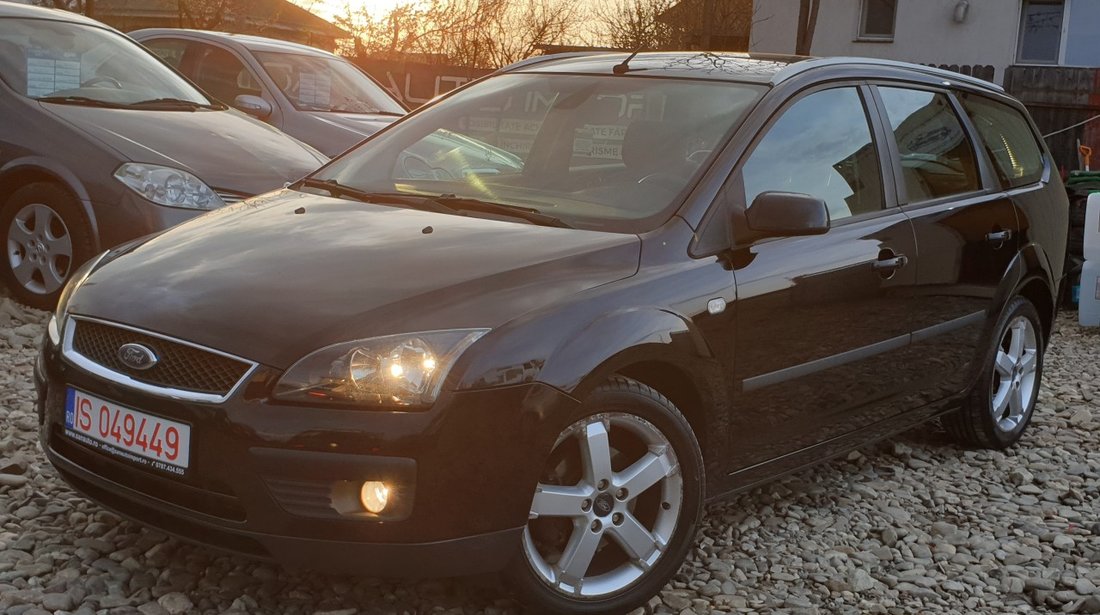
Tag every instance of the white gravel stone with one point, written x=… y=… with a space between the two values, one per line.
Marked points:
x=915 y=524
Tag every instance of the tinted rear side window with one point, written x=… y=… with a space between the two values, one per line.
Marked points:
x=1007 y=137
x=937 y=158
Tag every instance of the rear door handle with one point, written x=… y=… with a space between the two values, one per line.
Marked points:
x=890 y=264
x=998 y=236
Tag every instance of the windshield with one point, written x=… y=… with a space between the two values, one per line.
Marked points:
x=598 y=152
x=79 y=64
x=314 y=83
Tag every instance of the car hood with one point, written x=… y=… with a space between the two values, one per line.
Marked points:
x=226 y=149
x=335 y=133
x=279 y=276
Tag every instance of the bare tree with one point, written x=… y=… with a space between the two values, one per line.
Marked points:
x=634 y=24
x=807 y=24
x=476 y=33
x=84 y=7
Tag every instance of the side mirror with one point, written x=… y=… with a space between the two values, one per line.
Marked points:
x=787 y=214
x=253 y=105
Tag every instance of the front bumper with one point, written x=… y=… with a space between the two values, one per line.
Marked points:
x=262 y=475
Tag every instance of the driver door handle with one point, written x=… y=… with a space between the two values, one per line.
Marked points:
x=890 y=264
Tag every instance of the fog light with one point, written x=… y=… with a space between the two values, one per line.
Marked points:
x=374 y=495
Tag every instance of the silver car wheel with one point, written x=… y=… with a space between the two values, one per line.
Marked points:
x=607 y=508
x=1014 y=374
x=40 y=249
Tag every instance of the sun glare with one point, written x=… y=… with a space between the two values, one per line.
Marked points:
x=336 y=8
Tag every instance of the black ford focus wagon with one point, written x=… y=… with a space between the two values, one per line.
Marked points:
x=700 y=272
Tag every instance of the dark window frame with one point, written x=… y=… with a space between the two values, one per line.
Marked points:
x=1060 y=54
x=987 y=177
x=862 y=35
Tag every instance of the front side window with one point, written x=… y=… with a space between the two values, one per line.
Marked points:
x=171 y=50
x=820 y=146
x=222 y=74
x=1008 y=138
x=71 y=63
x=937 y=158
x=315 y=83
x=596 y=152
x=1041 y=31
x=877 y=19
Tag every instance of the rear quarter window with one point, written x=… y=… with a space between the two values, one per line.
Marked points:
x=1007 y=137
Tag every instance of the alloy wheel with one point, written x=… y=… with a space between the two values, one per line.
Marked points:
x=1014 y=374
x=606 y=507
x=40 y=249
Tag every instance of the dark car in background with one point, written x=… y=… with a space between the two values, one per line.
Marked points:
x=707 y=271
x=310 y=94
x=100 y=143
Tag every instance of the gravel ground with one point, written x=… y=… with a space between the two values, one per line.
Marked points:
x=912 y=525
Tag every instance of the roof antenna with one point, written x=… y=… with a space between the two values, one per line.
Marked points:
x=624 y=67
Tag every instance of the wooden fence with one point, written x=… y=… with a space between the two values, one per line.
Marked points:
x=1059 y=97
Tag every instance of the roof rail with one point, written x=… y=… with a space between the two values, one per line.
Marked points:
x=552 y=57
x=798 y=68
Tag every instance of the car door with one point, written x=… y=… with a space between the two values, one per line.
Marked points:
x=822 y=322
x=966 y=227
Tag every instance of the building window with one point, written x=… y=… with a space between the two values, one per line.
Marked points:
x=877 y=20
x=1041 y=31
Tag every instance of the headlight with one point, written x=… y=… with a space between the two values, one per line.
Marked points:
x=396 y=370
x=168 y=186
x=75 y=282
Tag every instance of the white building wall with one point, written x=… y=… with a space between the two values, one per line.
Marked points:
x=926 y=31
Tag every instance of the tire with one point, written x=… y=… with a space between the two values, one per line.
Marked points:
x=1001 y=404
x=45 y=239
x=571 y=507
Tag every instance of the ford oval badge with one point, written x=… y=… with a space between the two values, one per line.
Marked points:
x=136 y=356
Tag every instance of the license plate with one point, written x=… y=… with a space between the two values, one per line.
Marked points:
x=140 y=438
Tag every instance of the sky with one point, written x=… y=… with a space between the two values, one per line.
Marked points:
x=330 y=8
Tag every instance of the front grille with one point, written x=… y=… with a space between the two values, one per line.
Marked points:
x=230 y=198
x=179 y=366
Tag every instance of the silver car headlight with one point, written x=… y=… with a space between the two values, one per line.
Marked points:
x=168 y=186
x=395 y=370
x=61 y=313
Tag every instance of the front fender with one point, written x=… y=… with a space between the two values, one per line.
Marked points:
x=565 y=355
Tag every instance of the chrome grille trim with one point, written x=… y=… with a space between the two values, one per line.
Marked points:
x=230 y=198
x=95 y=369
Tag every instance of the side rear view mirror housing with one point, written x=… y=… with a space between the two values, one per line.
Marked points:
x=787 y=214
x=253 y=105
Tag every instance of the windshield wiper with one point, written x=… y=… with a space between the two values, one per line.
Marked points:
x=488 y=207
x=83 y=101
x=171 y=103
x=338 y=190
x=444 y=203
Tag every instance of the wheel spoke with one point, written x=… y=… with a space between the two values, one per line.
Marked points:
x=638 y=542
x=59 y=246
x=1016 y=341
x=559 y=501
x=1030 y=361
x=1004 y=364
x=24 y=271
x=52 y=277
x=1001 y=399
x=42 y=217
x=578 y=554
x=1016 y=401
x=19 y=233
x=644 y=473
x=596 y=451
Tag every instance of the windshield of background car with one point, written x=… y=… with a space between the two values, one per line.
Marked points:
x=41 y=58
x=326 y=84
x=598 y=152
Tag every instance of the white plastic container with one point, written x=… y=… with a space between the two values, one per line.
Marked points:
x=1088 y=310
x=1092 y=228
x=1088 y=306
